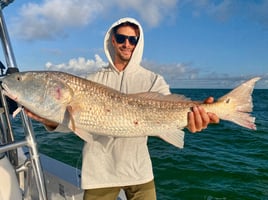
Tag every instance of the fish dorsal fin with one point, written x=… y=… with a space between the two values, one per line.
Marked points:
x=161 y=97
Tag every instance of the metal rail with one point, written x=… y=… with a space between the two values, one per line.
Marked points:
x=6 y=132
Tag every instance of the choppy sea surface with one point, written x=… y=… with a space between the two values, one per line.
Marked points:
x=224 y=162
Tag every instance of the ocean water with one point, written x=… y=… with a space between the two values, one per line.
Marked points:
x=223 y=162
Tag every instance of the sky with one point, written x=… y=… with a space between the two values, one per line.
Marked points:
x=191 y=43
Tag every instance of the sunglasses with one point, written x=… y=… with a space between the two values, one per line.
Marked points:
x=133 y=40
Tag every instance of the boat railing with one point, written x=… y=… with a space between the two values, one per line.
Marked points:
x=9 y=146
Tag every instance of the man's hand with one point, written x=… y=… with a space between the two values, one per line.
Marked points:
x=198 y=119
x=46 y=122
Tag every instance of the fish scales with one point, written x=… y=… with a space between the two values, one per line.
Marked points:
x=88 y=108
x=107 y=109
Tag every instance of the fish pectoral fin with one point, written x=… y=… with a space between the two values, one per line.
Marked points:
x=84 y=135
x=175 y=138
x=71 y=122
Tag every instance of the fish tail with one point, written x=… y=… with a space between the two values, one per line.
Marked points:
x=240 y=102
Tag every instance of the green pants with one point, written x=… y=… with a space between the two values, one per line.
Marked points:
x=133 y=192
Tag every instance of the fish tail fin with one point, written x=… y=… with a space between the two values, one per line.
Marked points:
x=175 y=138
x=241 y=101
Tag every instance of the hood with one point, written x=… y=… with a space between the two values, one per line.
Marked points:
x=138 y=51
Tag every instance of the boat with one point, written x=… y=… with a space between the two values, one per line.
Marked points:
x=25 y=173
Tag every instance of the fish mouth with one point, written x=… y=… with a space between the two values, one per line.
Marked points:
x=6 y=92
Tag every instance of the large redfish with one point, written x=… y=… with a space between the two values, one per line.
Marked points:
x=87 y=107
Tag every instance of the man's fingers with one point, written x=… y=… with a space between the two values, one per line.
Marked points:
x=209 y=100
x=198 y=118
x=191 y=122
x=214 y=119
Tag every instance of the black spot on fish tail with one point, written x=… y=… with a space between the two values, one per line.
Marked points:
x=227 y=100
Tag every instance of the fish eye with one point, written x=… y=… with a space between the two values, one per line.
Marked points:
x=18 y=78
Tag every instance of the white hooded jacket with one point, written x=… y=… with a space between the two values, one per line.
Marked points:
x=110 y=161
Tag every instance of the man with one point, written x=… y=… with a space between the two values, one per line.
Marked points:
x=109 y=163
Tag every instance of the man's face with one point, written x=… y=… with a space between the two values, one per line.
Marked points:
x=123 y=51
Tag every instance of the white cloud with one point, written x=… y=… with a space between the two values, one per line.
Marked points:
x=80 y=66
x=221 y=10
x=225 y=9
x=51 y=18
x=183 y=75
x=174 y=71
x=178 y=75
x=151 y=11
